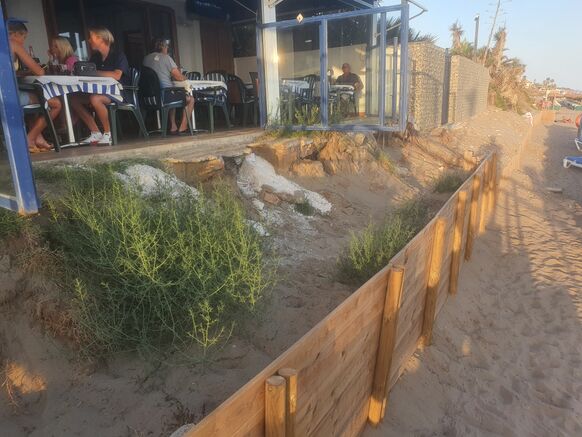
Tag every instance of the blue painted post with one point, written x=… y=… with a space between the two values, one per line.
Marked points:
x=26 y=200
x=395 y=81
x=404 y=14
x=323 y=81
x=382 y=67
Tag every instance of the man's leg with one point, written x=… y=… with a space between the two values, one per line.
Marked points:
x=79 y=104
x=99 y=103
x=55 y=106
x=187 y=113
x=172 y=116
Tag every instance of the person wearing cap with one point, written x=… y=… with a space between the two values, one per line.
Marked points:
x=349 y=78
x=17 y=33
x=167 y=71
x=109 y=63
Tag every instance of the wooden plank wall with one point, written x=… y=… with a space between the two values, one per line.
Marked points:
x=335 y=361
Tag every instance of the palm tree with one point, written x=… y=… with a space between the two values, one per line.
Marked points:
x=393 y=31
x=499 y=48
x=456 y=33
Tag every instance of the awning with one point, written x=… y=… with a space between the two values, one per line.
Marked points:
x=239 y=10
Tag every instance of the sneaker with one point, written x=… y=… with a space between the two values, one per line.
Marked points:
x=105 y=138
x=94 y=138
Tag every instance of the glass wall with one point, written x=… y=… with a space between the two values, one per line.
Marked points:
x=69 y=24
x=299 y=75
x=337 y=71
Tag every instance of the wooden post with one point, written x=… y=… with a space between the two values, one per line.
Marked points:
x=386 y=345
x=473 y=216
x=457 y=242
x=468 y=161
x=493 y=184
x=484 y=203
x=290 y=376
x=275 y=407
x=434 y=277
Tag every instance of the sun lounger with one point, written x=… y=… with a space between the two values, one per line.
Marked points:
x=575 y=161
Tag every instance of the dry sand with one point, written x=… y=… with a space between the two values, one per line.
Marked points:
x=507 y=352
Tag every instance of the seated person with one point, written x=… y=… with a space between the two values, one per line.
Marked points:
x=110 y=63
x=62 y=53
x=17 y=33
x=167 y=72
x=349 y=78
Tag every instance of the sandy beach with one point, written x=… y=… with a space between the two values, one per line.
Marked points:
x=507 y=354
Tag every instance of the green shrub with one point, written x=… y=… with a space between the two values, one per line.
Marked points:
x=386 y=162
x=11 y=223
x=155 y=272
x=371 y=250
x=450 y=181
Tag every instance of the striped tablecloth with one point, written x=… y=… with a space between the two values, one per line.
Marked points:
x=294 y=85
x=200 y=85
x=342 y=88
x=56 y=86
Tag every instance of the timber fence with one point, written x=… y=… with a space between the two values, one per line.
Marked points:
x=337 y=377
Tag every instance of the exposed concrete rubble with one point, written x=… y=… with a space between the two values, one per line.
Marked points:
x=257 y=177
x=151 y=181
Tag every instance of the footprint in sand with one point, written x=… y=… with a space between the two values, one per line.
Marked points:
x=506 y=395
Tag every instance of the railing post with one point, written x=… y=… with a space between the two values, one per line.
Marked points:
x=290 y=376
x=275 y=406
x=386 y=345
x=493 y=184
x=457 y=242
x=473 y=216
x=434 y=277
x=484 y=203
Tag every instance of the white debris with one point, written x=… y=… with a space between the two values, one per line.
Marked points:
x=259 y=228
x=259 y=206
x=150 y=181
x=256 y=172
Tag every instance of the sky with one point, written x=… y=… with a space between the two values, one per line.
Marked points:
x=546 y=35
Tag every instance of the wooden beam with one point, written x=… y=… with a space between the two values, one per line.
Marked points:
x=493 y=184
x=290 y=376
x=386 y=345
x=484 y=203
x=468 y=161
x=434 y=277
x=475 y=190
x=275 y=406
x=457 y=242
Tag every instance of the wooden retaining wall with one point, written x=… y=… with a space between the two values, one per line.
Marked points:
x=336 y=378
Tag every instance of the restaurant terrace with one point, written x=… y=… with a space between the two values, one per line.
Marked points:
x=248 y=65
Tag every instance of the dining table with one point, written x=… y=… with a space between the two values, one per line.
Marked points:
x=61 y=86
x=192 y=86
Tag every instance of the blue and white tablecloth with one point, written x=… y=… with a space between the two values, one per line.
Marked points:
x=56 y=86
x=296 y=86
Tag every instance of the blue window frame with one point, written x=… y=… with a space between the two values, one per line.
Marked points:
x=396 y=88
x=17 y=188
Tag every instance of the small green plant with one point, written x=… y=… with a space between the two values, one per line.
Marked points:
x=157 y=272
x=11 y=223
x=386 y=162
x=372 y=249
x=305 y=208
x=450 y=181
